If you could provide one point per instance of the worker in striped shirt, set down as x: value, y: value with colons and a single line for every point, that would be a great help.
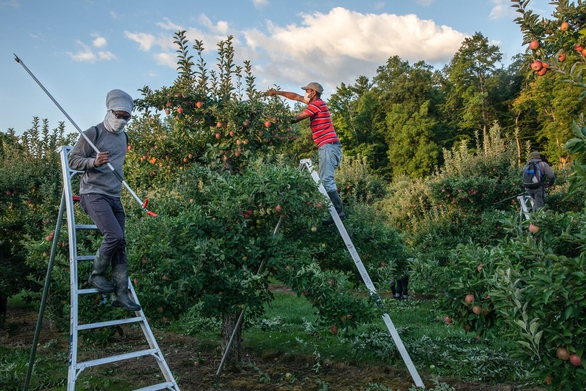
x: 324, y: 135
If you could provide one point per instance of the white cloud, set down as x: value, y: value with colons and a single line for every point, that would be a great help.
x: 502, y: 9
x: 260, y: 3
x: 379, y: 6
x: 144, y: 40
x: 106, y: 56
x: 221, y: 27
x: 425, y: 3
x: 99, y: 41
x: 355, y: 44
x: 167, y: 59
x: 114, y: 15
x: 367, y: 37
x: 85, y: 54
x: 168, y: 25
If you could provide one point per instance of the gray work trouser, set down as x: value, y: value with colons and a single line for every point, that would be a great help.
x: 108, y: 215
x: 538, y: 196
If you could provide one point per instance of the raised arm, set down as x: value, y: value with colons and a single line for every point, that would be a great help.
x: 286, y: 94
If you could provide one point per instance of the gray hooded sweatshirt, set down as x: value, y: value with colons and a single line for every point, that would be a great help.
x: 100, y: 180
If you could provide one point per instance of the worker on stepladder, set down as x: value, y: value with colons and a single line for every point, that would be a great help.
x: 324, y: 135
x: 100, y: 195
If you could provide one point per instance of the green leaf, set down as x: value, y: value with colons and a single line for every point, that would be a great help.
x: 568, y: 312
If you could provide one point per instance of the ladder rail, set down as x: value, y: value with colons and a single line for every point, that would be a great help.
x: 68, y: 174
x: 307, y: 164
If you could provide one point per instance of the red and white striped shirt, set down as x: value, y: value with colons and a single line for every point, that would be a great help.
x: 322, y: 129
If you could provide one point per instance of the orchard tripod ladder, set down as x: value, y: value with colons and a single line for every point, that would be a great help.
x: 307, y: 164
x: 526, y: 202
x: 75, y: 367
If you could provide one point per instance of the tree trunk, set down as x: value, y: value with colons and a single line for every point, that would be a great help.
x: 228, y: 324
x: 3, y: 308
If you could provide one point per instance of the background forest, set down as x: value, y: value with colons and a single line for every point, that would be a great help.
x: 431, y: 171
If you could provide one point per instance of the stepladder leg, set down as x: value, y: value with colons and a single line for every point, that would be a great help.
x: 306, y: 164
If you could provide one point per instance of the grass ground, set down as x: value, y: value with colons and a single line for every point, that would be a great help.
x: 284, y: 352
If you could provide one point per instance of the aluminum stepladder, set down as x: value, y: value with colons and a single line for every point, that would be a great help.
x: 307, y: 164
x: 526, y: 202
x: 75, y: 367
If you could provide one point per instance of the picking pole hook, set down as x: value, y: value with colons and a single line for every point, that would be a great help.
x: 144, y: 204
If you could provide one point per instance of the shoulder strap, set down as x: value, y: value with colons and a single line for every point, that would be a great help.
x: 97, y: 135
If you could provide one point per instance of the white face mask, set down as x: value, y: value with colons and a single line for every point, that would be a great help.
x: 113, y: 124
x: 306, y: 96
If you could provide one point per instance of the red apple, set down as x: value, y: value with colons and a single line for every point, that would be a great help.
x: 477, y: 310
x: 129, y: 147
x: 564, y: 26
x: 268, y: 124
x: 231, y: 133
x: 180, y: 109
x: 278, y: 208
x: 533, y: 228
x: 318, y: 205
x: 218, y: 135
x: 534, y: 45
x: 469, y: 299
x: 479, y: 267
x: 246, y: 123
x: 199, y: 105
x: 548, y: 380
x: 334, y: 329
x: 448, y: 320
x: 536, y: 65
x: 167, y: 111
x: 574, y: 359
x: 578, y: 47
x: 542, y: 72
x: 219, y: 125
x: 562, y: 57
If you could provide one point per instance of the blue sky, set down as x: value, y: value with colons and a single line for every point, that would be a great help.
x: 81, y: 49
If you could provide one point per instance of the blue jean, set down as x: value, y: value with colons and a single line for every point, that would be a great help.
x: 108, y: 215
x: 330, y: 156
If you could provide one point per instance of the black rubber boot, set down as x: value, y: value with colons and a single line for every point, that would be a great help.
x: 337, y: 202
x: 97, y: 278
x: 121, y: 298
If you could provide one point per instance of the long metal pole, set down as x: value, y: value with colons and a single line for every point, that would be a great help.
x: 144, y: 204
x: 241, y: 316
x: 31, y: 361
